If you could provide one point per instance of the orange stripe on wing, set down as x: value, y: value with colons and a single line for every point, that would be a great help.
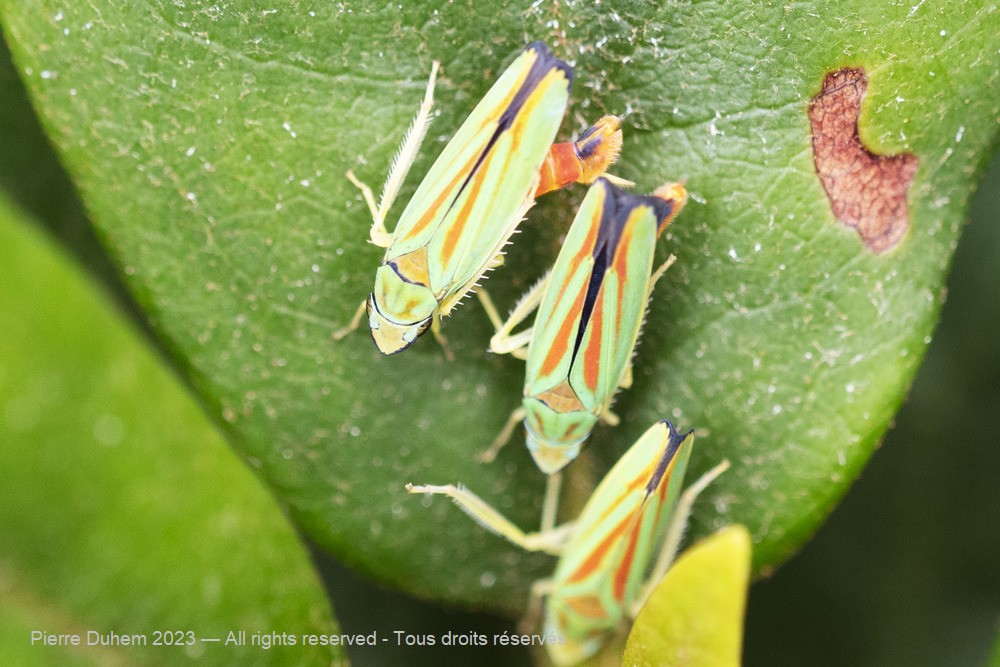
x: 622, y: 258
x: 463, y: 173
x: 479, y: 171
x: 462, y: 217
x: 517, y: 128
x: 596, y: 557
x: 592, y: 354
x: 622, y: 573
x: 446, y: 192
x: 561, y: 341
x: 641, y: 479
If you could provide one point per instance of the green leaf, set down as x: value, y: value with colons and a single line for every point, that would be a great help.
x: 209, y: 141
x: 124, y: 515
x: 695, y: 615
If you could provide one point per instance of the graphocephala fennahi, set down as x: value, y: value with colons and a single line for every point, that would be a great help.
x: 475, y: 194
x: 590, y: 310
x: 605, y: 555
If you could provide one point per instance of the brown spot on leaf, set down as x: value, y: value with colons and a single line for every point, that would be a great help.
x: 866, y: 191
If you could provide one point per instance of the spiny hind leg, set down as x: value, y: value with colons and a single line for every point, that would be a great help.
x: 408, y: 150
x: 486, y: 515
x: 377, y: 234
x: 401, y: 164
x: 354, y: 323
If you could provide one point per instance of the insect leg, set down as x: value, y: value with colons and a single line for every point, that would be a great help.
x: 401, y: 164
x: 533, y: 616
x: 483, y: 513
x: 377, y: 234
x: 609, y: 417
x: 489, y: 454
x: 659, y: 274
x: 439, y: 337
x: 354, y: 323
x: 550, y: 506
x: 504, y: 341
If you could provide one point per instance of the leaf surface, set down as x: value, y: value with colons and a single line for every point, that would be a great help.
x: 209, y: 143
x: 695, y: 615
x: 123, y: 510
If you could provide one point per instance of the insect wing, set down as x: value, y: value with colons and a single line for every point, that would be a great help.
x: 618, y: 530
x: 557, y: 322
x: 589, y: 318
x: 466, y: 207
x: 617, y: 298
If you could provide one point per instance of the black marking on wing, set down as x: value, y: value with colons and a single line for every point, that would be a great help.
x: 618, y: 206
x: 673, y: 444
x: 540, y: 68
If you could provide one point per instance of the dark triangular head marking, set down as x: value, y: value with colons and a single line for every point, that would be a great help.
x: 674, y: 442
x: 618, y: 206
x: 545, y: 62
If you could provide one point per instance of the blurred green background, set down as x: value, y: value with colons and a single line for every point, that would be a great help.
x: 906, y: 571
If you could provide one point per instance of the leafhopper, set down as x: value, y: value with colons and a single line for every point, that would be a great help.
x: 606, y: 567
x: 590, y: 310
x: 477, y: 191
